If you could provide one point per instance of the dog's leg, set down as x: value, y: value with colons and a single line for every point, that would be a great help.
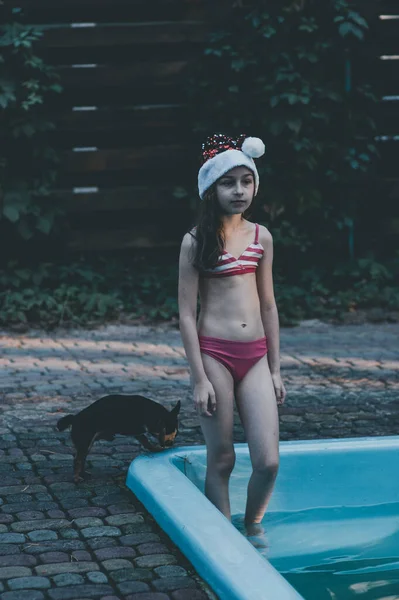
x: 78, y: 465
x: 144, y: 441
x: 83, y: 448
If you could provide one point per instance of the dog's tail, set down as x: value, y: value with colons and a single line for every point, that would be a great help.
x: 65, y: 422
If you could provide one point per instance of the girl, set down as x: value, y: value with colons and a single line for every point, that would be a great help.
x: 233, y: 349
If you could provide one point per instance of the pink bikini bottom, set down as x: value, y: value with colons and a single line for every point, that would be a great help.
x: 237, y: 357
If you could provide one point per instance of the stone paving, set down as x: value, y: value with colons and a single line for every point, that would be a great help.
x: 61, y: 541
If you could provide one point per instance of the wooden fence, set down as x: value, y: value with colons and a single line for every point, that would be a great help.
x: 381, y: 59
x: 121, y: 124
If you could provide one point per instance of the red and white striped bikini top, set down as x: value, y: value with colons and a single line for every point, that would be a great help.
x: 247, y: 262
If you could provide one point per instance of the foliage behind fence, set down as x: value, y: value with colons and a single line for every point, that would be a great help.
x: 128, y: 134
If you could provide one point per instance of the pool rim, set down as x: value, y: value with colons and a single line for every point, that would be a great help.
x: 150, y: 477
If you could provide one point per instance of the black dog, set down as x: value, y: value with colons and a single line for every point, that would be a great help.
x: 127, y: 415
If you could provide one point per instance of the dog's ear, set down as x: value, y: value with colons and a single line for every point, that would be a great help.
x: 176, y: 409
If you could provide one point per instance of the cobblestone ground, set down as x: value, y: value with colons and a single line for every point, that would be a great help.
x: 62, y: 541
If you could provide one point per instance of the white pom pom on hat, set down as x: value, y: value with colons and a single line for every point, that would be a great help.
x: 217, y: 166
x: 253, y: 147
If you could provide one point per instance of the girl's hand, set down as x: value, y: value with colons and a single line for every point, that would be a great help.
x: 279, y: 388
x: 204, y: 398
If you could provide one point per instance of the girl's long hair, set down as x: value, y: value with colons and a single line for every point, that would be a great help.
x: 209, y: 231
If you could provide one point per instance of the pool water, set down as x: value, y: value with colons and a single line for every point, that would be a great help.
x: 340, y: 553
x: 332, y: 525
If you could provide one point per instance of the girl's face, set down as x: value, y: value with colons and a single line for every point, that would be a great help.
x: 235, y: 190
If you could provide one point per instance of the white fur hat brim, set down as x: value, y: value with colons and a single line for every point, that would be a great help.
x: 220, y: 164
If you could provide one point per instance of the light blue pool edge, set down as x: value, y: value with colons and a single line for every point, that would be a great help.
x: 219, y: 553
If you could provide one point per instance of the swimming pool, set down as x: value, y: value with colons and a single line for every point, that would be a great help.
x: 332, y: 526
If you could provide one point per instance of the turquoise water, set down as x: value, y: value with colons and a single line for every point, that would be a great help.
x: 332, y: 526
x: 337, y: 554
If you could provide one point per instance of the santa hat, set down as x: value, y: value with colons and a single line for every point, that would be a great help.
x: 221, y: 153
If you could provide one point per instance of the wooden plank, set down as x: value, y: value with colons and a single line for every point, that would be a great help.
x: 387, y: 36
x: 149, y: 235
x: 124, y: 34
x: 120, y: 139
x: 146, y: 117
x: 136, y: 73
x: 388, y: 7
x: 184, y: 173
x: 84, y: 13
x: 394, y: 227
x: 384, y: 38
x: 388, y: 165
x: 387, y: 117
x: 110, y: 4
x: 154, y: 197
x: 129, y: 158
x: 391, y: 185
x: 383, y: 74
x: 106, y: 11
x: 119, y: 54
x: 120, y: 129
x: 147, y: 93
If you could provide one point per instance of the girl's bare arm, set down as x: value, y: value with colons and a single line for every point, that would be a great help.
x: 268, y: 305
x: 204, y: 394
x: 187, y: 298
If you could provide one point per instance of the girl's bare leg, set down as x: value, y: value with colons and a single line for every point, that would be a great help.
x: 218, y: 434
x: 257, y: 406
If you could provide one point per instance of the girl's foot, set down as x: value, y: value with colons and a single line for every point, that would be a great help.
x: 254, y: 532
x: 238, y: 522
x: 258, y: 541
x: 253, y: 529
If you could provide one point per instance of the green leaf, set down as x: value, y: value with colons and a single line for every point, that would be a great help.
x: 37, y: 278
x: 6, y: 99
x: 18, y: 198
x: 268, y: 31
x: 292, y: 98
x: 44, y: 224
x: 28, y: 130
x: 11, y: 213
x: 276, y: 127
x: 358, y: 33
x: 333, y: 95
x: 345, y: 28
x: 180, y: 192
x: 295, y: 125
x: 23, y: 274
x: 358, y: 19
x: 237, y: 64
x: 274, y: 100
x: 24, y: 230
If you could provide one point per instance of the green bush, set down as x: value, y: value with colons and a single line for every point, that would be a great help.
x: 84, y: 294
x: 287, y: 72
x: 28, y: 163
x: 51, y: 295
